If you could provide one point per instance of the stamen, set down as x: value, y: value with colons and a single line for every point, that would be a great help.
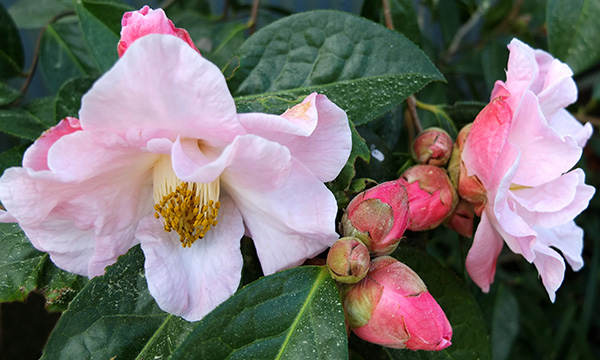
x: 515, y: 187
x: 190, y: 209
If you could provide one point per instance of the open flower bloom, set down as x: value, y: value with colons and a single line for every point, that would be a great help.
x: 521, y: 148
x: 160, y: 157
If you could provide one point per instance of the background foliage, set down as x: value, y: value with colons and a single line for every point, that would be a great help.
x: 449, y: 54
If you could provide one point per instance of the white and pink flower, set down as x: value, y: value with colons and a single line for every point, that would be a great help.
x: 521, y: 149
x: 160, y: 157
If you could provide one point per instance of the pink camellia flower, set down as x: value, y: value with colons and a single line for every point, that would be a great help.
x: 431, y: 196
x: 160, y: 157
x: 378, y: 217
x: 392, y: 307
x: 521, y: 148
x: 145, y: 21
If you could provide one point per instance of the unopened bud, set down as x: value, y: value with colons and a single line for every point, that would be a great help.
x: 392, y: 307
x: 454, y: 164
x: 461, y: 219
x: 432, y: 146
x: 348, y: 260
x: 431, y: 196
x: 378, y: 217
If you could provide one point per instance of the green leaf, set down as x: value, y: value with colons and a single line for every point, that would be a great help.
x: 505, y: 323
x: 112, y: 316
x: 12, y: 157
x: 21, y: 123
x: 63, y: 55
x: 404, y: 18
x: 43, y: 110
x: 101, y: 22
x: 573, y: 32
x: 294, y: 314
x: 68, y: 99
x: 470, y: 338
x: 12, y: 57
x: 36, y: 14
x: 361, y: 66
x: 8, y: 94
x: 24, y: 269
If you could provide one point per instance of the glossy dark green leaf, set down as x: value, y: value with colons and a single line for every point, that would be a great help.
x: 12, y: 157
x: 101, y: 22
x: 11, y: 49
x: 363, y: 67
x: 21, y: 123
x: 573, y: 32
x: 294, y: 314
x: 404, y: 19
x: 68, y: 99
x: 63, y: 55
x: 24, y: 269
x: 43, y: 110
x: 470, y: 339
x: 113, y: 316
x: 8, y: 94
x: 29, y: 14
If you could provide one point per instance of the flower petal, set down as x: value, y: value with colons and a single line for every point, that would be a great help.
x: 264, y: 167
x: 551, y: 268
x: 544, y: 154
x: 481, y: 259
x: 566, y: 125
x: 568, y: 238
x: 316, y: 131
x: 36, y: 156
x: 191, y: 282
x: 161, y: 85
x: 288, y: 224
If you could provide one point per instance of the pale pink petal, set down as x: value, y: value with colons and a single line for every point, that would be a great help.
x: 307, y: 129
x: 263, y: 168
x: 162, y: 86
x: 571, y: 193
x: 568, y: 239
x: 566, y: 125
x: 544, y: 154
x: 36, y: 156
x: 559, y: 89
x: 191, y: 282
x: 522, y: 73
x: 551, y: 268
x: 486, y: 141
x: 481, y: 259
x: 289, y: 224
x: 5, y: 217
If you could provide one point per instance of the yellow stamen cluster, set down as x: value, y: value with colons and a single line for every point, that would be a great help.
x: 190, y: 209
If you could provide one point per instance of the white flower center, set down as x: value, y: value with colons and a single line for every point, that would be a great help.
x: 191, y: 209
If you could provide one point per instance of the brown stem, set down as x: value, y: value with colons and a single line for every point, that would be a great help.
x: 387, y: 14
x: 253, y: 16
x: 411, y: 101
x: 36, y: 54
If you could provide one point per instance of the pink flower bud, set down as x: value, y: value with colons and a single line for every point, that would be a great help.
x: 454, y: 164
x: 433, y: 146
x: 461, y: 219
x: 378, y: 217
x: 392, y: 307
x: 348, y: 260
x: 136, y: 24
x: 431, y: 196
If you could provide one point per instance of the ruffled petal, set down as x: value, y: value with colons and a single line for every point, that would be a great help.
x: 556, y: 202
x: 163, y: 86
x: 481, y: 259
x: 559, y: 89
x: 566, y: 125
x: 544, y: 154
x: 262, y: 168
x: 568, y: 239
x: 551, y: 267
x: 288, y: 226
x: 5, y: 217
x: 316, y: 131
x: 522, y: 72
x: 191, y: 282
x: 36, y: 156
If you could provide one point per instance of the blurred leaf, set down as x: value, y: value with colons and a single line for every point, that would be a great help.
x: 112, y: 316
x: 24, y: 269
x: 8, y: 94
x: 573, y: 32
x: 63, y: 55
x: 469, y: 340
x: 12, y: 157
x: 293, y: 314
x: 21, y: 123
x: 494, y: 58
x: 36, y: 14
x: 505, y: 323
x: 100, y: 23
x: 12, y: 57
x: 361, y: 66
x: 68, y: 99
x: 43, y: 110
x: 404, y: 18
